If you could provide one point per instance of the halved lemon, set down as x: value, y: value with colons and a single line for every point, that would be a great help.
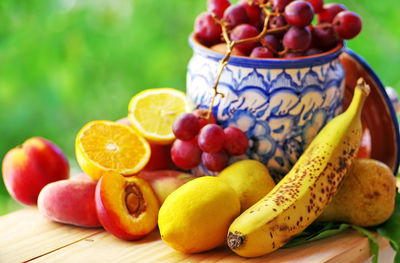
x: 106, y: 146
x: 152, y: 113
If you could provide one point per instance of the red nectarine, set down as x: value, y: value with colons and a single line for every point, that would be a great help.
x: 28, y: 168
x: 160, y: 158
x: 165, y: 182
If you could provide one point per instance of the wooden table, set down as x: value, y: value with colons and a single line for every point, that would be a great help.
x: 28, y: 237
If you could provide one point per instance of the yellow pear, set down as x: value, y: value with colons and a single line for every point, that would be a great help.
x: 250, y: 179
x: 365, y: 197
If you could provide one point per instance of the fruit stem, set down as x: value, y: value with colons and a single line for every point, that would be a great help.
x: 361, y: 84
x: 234, y: 241
x: 265, y: 31
x: 361, y: 93
x: 231, y: 44
x: 323, y: 26
x: 283, y: 52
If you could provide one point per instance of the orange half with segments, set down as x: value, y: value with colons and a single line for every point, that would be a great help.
x: 106, y: 146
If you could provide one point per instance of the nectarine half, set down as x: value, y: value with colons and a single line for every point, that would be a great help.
x: 126, y: 206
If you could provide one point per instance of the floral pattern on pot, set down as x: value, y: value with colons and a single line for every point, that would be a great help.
x: 280, y: 109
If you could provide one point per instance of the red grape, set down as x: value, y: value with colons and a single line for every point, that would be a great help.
x: 244, y: 31
x: 218, y: 7
x: 207, y: 30
x: 347, y: 24
x: 186, y: 154
x: 277, y: 22
x: 201, y: 114
x: 296, y: 54
x: 236, y: 141
x: 324, y: 37
x: 186, y: 127
x: 253, y: 11
x: 329, y: 12
x: 318, y: 5
x: 215, y: 162
x: 313, y: 51
x: 261, y: 52
x: 271, y: 41
x: 299, y: 13
x: 211, y: 138
x: 235, y: 15
x: 279, y: 5
x: 297, y: 38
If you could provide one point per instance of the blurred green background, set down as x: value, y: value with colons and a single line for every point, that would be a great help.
x: 64, y: 63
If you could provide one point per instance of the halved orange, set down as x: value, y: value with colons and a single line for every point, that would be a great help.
x: 153, y: 111
x: 106, y: 146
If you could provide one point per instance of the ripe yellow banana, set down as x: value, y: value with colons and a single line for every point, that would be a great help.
x: 301, y: 196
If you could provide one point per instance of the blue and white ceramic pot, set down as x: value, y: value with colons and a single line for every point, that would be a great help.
x: 280, y: 104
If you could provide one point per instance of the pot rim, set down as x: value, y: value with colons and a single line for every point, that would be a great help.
x: 272, y: 63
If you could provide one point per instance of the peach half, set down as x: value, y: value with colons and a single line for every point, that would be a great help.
x: 126, y: 206
x: 28, y: 168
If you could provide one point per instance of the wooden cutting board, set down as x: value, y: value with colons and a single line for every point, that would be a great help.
x: 28, y: 237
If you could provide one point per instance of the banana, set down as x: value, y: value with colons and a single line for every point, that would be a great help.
x: 301, y: 196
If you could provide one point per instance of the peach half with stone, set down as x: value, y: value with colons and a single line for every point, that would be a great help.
x: 127, y: 207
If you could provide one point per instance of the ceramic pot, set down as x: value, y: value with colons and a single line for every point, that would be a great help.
x: 281, y: 104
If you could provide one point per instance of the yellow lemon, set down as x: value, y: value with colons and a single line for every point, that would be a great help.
x: 153, y: 111
x: 196, y: 216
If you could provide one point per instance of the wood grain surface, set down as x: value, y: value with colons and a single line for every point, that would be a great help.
x: 28, y: 237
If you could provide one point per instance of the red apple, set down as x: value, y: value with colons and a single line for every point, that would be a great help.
x: 28, y: 168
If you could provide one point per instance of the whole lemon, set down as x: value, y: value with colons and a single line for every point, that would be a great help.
x: 196, y: 216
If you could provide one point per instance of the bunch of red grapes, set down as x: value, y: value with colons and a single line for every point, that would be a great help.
x: 291, y: 32
x: 200, y: 140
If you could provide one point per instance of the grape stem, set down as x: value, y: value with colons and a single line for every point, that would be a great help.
x: 283, y: 52
x: 231, y: 44
x: 323, y: 26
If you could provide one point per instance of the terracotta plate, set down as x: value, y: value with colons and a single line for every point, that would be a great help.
x: 379, y: 113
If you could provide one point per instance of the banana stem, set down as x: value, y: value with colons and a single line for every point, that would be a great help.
x: 363, y: 86
x: 234, y: 241
x: 361, y: 93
